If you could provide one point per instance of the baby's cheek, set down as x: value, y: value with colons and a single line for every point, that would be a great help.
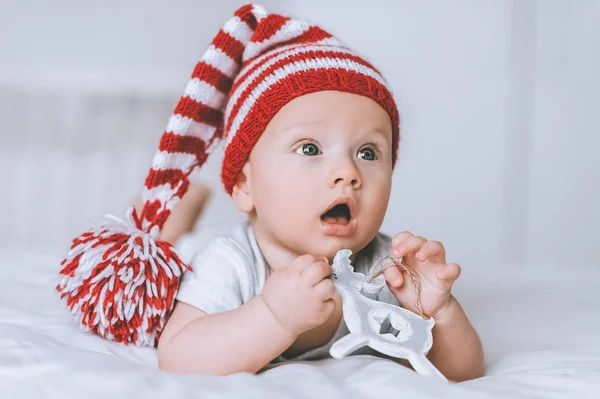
x: 378, y: 196
x: 287, y: 201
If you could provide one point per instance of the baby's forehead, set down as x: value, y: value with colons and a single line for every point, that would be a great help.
x: 364, y: 129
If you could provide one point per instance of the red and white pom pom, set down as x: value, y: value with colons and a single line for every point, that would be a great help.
x: 120, y: 282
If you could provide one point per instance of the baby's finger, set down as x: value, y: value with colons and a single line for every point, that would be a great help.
x: 316, y: 272
x: 400, y: 237
x: 432, y: 250
x: 408, y: 246
x: 328, y: 308
x: 394, y: 276
x: 450, y: 272
x: 302, y: 262
x: 325, y: 289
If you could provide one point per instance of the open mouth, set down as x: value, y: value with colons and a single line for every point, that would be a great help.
x: 340, y: 220
x: 339, y: 214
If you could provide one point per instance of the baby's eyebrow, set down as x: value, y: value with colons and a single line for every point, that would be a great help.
x: 296, y: 127
x: 382, y: 131
x: 374, y: 133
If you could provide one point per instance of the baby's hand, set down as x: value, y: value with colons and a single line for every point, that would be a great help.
x: 428, y: 260
x: 300, y: 296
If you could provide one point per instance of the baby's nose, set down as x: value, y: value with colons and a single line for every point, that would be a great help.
x: 346, y: 174
x: 339, y: 180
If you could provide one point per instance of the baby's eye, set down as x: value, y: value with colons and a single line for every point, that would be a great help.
x: 309, y: 149
x: 368, y: 154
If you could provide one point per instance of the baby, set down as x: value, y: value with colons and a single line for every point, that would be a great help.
x: 312, y: 134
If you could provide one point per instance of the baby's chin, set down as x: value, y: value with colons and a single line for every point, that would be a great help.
x: 330, y: 245
x: 309, y: 240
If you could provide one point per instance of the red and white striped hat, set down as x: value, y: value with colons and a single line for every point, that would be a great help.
x: 118, y: 279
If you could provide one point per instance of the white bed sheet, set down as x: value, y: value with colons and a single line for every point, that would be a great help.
x: 539, y: 327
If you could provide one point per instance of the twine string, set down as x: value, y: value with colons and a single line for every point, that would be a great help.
x: 411, y: 273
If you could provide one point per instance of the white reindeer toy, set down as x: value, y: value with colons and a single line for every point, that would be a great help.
x: 386, y: 328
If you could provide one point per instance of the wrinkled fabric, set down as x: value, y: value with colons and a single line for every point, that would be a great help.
x: 539, y: 329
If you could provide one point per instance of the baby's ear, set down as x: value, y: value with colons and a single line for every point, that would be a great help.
x: 242, y: 193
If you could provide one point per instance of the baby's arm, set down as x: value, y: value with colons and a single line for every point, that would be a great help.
x: 457, y: 351
x: 240, y: 340
x: 295, y: 299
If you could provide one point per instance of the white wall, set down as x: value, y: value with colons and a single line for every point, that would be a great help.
x: 564, y: 220
x: 485, y: 91
x: 148, y: 46
x: 447, y: 64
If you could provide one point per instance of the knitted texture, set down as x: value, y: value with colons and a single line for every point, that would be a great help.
x: 119, y: 280
x: 285, y: 59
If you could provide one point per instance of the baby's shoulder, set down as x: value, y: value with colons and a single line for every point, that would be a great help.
x: 234, y: 256
x: 230, y: 249
x: 223, y: 274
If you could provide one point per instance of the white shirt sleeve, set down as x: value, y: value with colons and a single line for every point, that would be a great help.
x: 214, y: 285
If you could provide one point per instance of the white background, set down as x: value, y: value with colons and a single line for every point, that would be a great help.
x: 499, y: 102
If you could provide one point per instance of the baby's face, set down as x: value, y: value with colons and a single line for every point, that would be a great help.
x: 318, y: 150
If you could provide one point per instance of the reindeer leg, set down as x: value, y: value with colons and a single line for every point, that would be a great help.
x: 423, y: 366
x: 347, y: 344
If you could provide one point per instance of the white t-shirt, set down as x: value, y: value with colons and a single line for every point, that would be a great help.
x: 231, y: 270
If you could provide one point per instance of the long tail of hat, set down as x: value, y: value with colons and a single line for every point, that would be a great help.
x: 197, y: 121
x: 118, y: 280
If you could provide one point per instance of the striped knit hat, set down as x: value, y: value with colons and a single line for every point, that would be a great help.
x: 118, y: 279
